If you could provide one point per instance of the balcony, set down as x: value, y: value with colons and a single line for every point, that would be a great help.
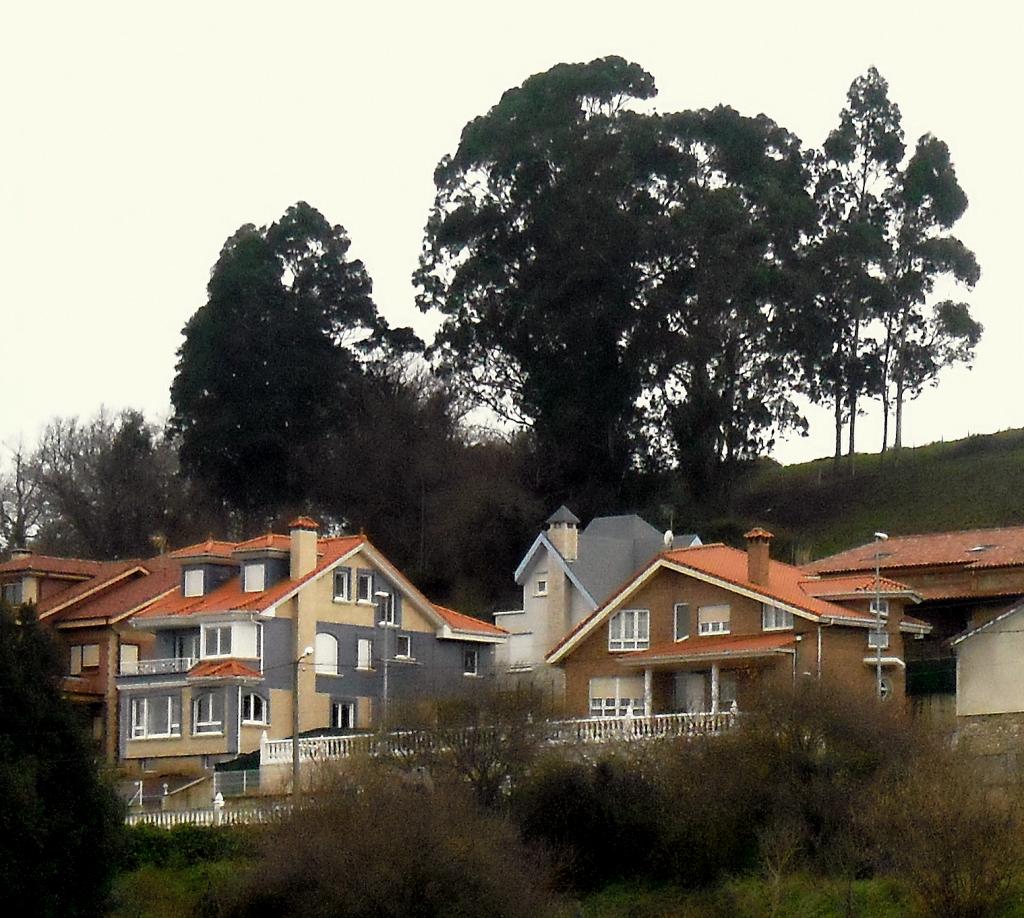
x: 166, y: 667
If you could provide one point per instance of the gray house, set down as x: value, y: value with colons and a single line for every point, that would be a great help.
x: 565, y: 575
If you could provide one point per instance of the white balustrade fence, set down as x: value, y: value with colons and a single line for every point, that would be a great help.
x: 165, y: 667
x: 217, y: 816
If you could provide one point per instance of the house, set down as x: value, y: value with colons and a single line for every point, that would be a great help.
x: 964, y: 579
x: 565, y: 575
x: 990, y: 674
x: 249, y: 623
x: 703, y: 628
x: 88, y: 606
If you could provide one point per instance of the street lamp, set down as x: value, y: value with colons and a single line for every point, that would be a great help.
x: 387, y: 625
x: 880, y: 537
x: 308, y: 652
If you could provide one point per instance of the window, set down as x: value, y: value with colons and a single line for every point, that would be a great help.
x: 885, y: 689
x: 254, y: 709
x: 217, y: 641
x: 343, y: 584
x: 186, y: 645
x: 775, y: 619
x: 12, y: 593
x: 387, y: 608
x: 541, y: 586
x: 630, y: 629
x: 254, y: 577
x: 681, y: 620
x: 364, y: 653
x: 471, y: 662
x: 129, y: 659
x: 365, y: 586
x: 713, y: 619
x: 403, y: 650
x: 155, y: 716
x: 194, y: 582
x: 208, y: 713
x: 326, y: 654
x: 617, y: 696
x: 880, y: 607
x: 878, y: 640
x: 343, y: 715
x: 84, y: 656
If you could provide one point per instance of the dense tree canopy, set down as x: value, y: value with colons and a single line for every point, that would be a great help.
x: 275, y: 360
x: 60, y: 820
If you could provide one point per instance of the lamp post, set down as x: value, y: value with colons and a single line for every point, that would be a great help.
x: 295, y: 721
x: 382, y: 598
x: 880, y: 537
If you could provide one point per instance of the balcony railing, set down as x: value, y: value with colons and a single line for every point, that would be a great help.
x: 157, y: 667
x: 584, y: 730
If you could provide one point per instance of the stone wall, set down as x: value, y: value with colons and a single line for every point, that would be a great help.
x: 995, y: 743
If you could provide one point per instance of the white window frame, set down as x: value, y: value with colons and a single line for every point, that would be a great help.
x: 882, y: 606
x: 629, y: 629
x: 364, y: 577
x: 249, y: 711
x: 193, y: 639
x: 540, y: 586
x: 325, y: 654
x: 715, y: 626
x: 364, y: 654
x: 771, y: 616
x: 399, y: 639
x: 605, y: 706
x: 208, y: 726
x: 470, y: 668
x: 337, y: 707
x: 883, y: 636
x: 676, y: 608
x: 218, y: 651
x: 250, y: 582
x: 343, y: 577
x: 389, y: 606
x: 194, y: 582
x: 140, y: 725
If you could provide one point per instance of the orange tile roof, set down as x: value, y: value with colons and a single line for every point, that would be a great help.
x: 721, y: 646
x: 1002, y: 547
x: 856, y: 583
x: 48, y: 564
x: 106, y: 573
x: 222, y: 669
x: 785, y: 584
x: 123, y: 597
x: 303, y: 522
x: 461, y: 622
x: 217, y: 548
x: 271, y: 540
x: 230, y: 597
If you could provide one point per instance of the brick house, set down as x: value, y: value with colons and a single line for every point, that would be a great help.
x: 703, y: 628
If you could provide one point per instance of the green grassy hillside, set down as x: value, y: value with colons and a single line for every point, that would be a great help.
x: 963, y: 484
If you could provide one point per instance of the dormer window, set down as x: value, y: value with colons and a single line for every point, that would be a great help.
x: 194, y: 581
x: 254, y: 577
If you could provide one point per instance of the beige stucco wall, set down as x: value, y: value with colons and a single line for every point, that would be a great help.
x: 990, y: 669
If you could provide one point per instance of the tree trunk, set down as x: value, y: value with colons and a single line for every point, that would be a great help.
x: 839, y: 427
x: 898, y: 436
x: 853, y: 386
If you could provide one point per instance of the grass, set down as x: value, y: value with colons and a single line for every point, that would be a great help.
x: 977, y: 482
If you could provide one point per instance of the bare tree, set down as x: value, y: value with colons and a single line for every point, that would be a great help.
x: 21, y: 500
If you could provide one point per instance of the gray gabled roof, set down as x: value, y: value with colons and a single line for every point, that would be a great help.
x: 564, y: 515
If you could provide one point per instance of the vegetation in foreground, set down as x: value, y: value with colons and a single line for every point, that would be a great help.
x: 819, y: 804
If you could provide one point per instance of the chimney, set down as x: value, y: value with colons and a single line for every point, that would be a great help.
x: 18, y: 553
x: 758, y: 541
x: 303, y: 533
x: 563, y: 532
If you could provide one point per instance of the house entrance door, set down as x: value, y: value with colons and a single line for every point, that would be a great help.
x: 689, y: 691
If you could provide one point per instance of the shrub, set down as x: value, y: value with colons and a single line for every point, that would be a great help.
x: 369, y: 843
x: 183, y: 846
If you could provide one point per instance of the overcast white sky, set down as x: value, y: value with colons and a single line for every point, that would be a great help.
x: 139, y: 136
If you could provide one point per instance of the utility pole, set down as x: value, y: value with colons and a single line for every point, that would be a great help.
x: 880, y: 537
x: 387, y: 624
x: 296, y: 776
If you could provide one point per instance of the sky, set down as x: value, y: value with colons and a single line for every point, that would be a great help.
x: 138, y: 136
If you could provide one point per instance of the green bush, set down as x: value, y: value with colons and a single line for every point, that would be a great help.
x: 184, y: 845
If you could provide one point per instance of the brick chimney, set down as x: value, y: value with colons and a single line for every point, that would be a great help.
x: 303, y: 532
x: 18, y: 553
x: 563, y: 532
x: 758, y: 541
